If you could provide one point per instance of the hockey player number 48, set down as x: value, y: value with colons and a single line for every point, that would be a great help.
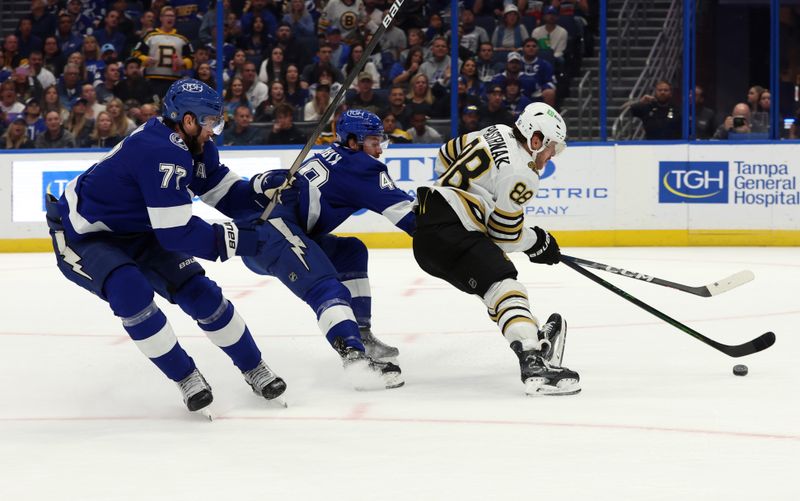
x: 315, y: 173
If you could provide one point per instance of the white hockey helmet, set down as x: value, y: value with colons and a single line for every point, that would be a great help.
x: 543, y: 118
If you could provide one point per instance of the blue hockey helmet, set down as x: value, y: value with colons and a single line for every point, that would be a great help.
x: 195, y: 97
x: 359, y: 123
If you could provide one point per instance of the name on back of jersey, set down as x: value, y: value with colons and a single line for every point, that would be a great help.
x: 497, y: 145
x: 331, y: 156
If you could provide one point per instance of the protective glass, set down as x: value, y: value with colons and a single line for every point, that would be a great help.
x: 213, y: 123
x: 382, y: 140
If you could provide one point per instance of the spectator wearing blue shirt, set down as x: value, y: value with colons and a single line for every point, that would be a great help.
x: 110, y: 34
x: 299, y: 19
x: 34, y: 123
x: 68, y: 41
x: 81, y: 22
x: 540, y: 71
x: 28, y: 42
x: 514, y: 71
x: 514, y: 100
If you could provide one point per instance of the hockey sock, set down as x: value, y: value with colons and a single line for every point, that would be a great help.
x: 361, y: 297
x: 330, y: 300
x: 202, y: 299
x: 131, y: 299
x: 350, y: 257
x: 507, y: 303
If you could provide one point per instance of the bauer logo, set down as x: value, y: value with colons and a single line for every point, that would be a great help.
x: 693, y: 182
x: 54, y: 182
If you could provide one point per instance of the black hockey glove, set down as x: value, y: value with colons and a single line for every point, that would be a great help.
x: 235, y: 241
x: 268, y: 183
x: 545, y: 250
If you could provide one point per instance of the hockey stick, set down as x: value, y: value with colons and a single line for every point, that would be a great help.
x: 712, y: 289
x: 323, y: 121
x: 760, y: 343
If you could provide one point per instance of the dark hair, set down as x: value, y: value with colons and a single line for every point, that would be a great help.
x: 411, y: 52
x: 350, y: 58
x: 284, y: 109
x: 519, y: 137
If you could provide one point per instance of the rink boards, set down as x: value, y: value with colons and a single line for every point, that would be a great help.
x: 667, y: 194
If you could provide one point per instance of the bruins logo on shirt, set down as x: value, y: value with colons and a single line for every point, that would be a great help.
x: 348, y: 21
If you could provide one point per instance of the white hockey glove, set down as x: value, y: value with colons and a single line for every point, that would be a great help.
x: 235, y: 241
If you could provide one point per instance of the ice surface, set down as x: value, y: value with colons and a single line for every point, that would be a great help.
x: 84, y: 416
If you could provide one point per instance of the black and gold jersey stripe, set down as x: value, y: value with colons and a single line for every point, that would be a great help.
x: 449, y: 151
x: 503, y: 228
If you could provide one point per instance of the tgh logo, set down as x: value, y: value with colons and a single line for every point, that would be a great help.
x: 693, y: 182
x: 192, y: 87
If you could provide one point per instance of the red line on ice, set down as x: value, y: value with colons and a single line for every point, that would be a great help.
x: 448, y: 422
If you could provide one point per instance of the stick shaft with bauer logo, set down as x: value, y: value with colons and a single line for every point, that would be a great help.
x: 391, y: 13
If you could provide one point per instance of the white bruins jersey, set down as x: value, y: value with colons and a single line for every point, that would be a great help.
x: 162, y: 46
x: 487, y: 178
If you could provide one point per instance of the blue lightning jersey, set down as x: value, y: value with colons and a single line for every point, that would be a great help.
x: 339, y: 181
x: 146, y: 184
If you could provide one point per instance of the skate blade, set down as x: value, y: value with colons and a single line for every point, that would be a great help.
x: 365, y: 379
x: 206, y: 412
x: 277, y: 402
x: 536, y: 387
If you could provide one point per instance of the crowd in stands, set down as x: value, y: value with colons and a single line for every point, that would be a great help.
x: 661, y: 119
x: 85, y: 73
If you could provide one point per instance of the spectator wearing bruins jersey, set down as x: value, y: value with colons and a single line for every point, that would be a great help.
x: 345, y: 15
x: 474, y: 214
x: 164, y: 53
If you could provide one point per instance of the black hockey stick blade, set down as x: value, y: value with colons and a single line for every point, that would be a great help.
x: 712, y: 289
x: 391, y: 13
x: 760, y: 343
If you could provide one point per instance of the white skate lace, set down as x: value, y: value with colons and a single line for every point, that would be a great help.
x: 192, y: 384
x: 259, y: 377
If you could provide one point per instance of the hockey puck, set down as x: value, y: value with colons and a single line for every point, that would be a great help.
x: 740, y: 370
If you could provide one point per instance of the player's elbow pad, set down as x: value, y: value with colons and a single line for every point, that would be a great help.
x: 235, y: 241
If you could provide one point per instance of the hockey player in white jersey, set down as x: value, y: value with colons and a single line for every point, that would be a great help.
x: 474, y: 214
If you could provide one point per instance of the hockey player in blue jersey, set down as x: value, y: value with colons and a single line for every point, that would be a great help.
x: 329, y: 272
x: 124, y: 229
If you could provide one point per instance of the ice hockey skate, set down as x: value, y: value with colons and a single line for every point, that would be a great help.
x: 377, y: 349
x: 554, y: 332
x: 364, y: 372
x: 196, y: 391
x: 539, y: 371
x: 265, y: 383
